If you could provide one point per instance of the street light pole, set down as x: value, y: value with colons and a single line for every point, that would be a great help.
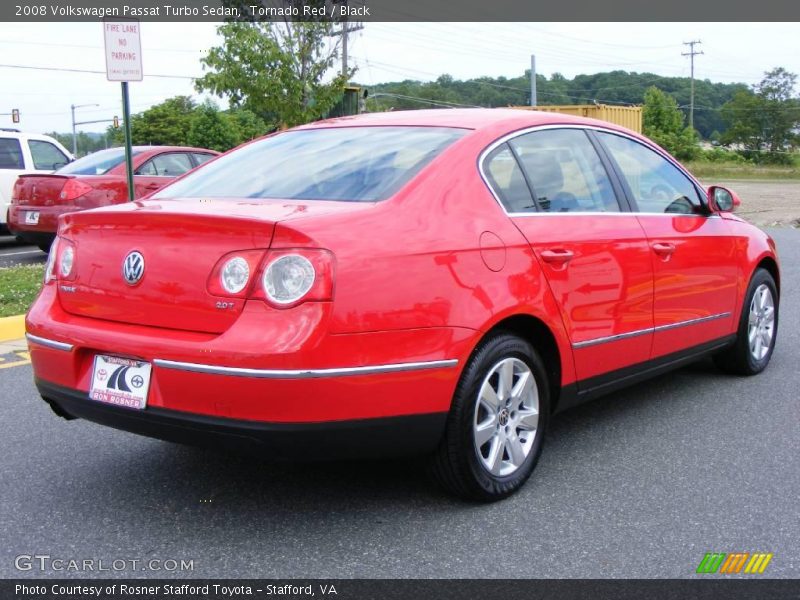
x: 74, y: 135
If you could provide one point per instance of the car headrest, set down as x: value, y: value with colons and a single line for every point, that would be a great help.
x: 545, y: 173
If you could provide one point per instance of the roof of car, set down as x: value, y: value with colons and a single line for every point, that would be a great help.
x: 469, y: 118
x: 172, y: 149
x: 14, y: 133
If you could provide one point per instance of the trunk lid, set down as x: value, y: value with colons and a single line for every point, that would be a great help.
x: 181, y: 241
x: 39, y: 190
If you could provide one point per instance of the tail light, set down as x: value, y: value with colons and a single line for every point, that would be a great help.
x: 16, y: 191
x: 283, y: 278
x: 244, y: 262
x: 61, y: 261
x: 74, y: 188
x: 50, y: 268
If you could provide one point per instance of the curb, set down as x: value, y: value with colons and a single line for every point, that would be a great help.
x: 12, y: 328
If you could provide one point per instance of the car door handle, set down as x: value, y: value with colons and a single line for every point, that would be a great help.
x: 664, y: 249
x: 152, y: 186
x: 557, y: 256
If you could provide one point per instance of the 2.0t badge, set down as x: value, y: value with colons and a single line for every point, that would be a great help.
x: 133, y: 268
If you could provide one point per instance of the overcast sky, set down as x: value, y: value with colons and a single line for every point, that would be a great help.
x: 382, y: 52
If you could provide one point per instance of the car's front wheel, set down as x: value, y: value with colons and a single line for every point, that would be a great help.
x: 758, y: 328
x: 497, y: 421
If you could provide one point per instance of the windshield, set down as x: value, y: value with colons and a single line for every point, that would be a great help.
x: 348, y: 163
x: 98, y: 163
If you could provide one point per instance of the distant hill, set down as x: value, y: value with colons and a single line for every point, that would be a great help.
x: 614, y: 87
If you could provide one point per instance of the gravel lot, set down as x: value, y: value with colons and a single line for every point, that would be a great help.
x: 767, y: 203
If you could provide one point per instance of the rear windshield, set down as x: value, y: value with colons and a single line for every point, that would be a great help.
x: 98, y: 163
x: 349, y: 163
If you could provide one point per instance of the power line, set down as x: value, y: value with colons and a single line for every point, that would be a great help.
x: 67, y: 70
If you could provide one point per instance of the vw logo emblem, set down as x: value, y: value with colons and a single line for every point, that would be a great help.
x: 133, y: 268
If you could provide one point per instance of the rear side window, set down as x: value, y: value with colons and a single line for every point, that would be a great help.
x: 97, y: 163
x: 657, y: 185
x: 167, y: 165
x: 201, y: 157
x: 565, y: 171
x: 361, y: 164
x: 10, y: 154
x: 46, y: 157
x: 506, y: 179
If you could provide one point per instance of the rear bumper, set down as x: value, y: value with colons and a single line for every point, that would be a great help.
x: 48, y: 218
x: 263, y: 368
x: 362, y: 438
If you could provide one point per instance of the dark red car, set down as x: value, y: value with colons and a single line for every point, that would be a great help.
x: 95, y: 180
x: 435, y: 282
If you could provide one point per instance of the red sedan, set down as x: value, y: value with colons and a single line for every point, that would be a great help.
x: 435, y: 282
x: 95, y: 180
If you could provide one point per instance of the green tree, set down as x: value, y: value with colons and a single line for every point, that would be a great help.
x: 165, y: 124
x: 764, y: 121
x: 247, y: 123
x: 662, y: 121
x: 212, y: 129
x: 276, y: 70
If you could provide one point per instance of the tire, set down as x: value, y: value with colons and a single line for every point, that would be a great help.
x: 744, y: 358
x: 511, y: 435
x: 45, y: 247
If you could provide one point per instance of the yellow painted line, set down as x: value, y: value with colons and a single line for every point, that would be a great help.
x: 12, y: 328
x: 18, y: 363
x: 25, y: 356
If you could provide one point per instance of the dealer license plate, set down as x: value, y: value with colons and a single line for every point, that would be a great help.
x: 120, y: 381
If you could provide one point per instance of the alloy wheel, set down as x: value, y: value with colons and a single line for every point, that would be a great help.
x: 761, y: 325
x: 506, y: 417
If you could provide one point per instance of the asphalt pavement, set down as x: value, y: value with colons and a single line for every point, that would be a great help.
x: 13, y: 253
x: 639, y: 484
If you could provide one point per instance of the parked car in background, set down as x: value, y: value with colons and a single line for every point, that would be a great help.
x: 22, y: 153
x: 435, y: 282
x: 98, y: 179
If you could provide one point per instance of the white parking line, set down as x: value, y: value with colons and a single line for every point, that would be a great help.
x: 18, y: 253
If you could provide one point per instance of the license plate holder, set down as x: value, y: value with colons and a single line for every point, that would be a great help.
x: 120, y: 381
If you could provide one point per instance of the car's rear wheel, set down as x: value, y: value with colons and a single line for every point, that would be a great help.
x: 758, y: 328
x: 497, y: 421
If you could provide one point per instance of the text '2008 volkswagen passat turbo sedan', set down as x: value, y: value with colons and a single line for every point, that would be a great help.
x: 431, y: 282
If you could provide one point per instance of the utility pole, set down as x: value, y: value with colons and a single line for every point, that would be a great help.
x: 691, y: 54
x: 346, y: 29
x: 533, y: 80
x: 74, y: 134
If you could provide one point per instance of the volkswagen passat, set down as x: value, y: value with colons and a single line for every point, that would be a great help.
x: 435, y: 282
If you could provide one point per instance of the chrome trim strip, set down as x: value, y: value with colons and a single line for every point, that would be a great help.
x: 49, y: 343
x: 510, y: 136
x: 608, y: 214
x: 692, y: 321
x: 638, y: 332
x: 304, y: 373
x: 612, y: 338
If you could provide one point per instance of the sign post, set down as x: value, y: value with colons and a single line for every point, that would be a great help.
x: 124, y: 64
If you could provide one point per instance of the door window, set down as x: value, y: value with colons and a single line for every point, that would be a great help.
x: 46, y: 157
x: 10, y: 154
x: 657, y: 185
x: 565, y: 171
x: 166, y: 165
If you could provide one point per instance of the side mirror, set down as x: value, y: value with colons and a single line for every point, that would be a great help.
x: 722, y: 199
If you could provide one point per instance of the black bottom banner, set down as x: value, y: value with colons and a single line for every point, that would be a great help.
x: 388, y: 589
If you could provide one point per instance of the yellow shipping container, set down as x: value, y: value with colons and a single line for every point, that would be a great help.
x: 626, y: 116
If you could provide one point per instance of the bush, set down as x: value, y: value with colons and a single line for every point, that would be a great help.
x: 719, y: 155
